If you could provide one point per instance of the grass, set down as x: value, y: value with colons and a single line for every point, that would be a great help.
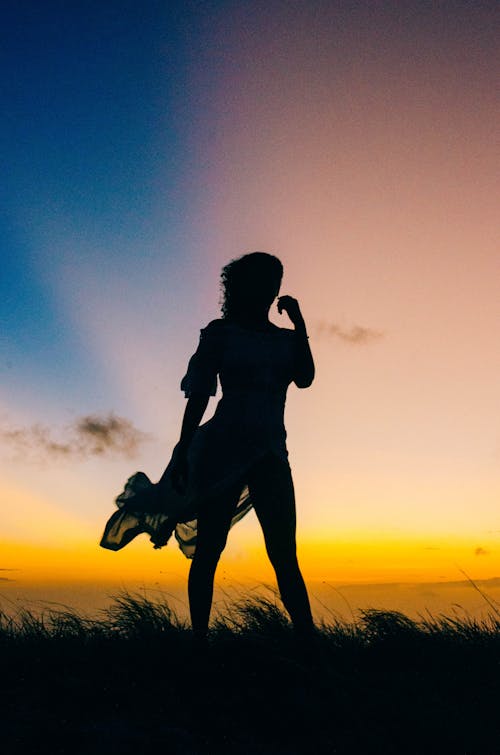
x: 131, y: 681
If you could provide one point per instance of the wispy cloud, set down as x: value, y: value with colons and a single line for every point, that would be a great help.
x: 90, y: 435
x: 356, y: 334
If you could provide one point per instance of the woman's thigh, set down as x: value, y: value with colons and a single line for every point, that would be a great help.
x: 272, y: 493
x: 214, y: 519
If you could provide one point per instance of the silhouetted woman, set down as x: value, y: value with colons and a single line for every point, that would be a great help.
x: 238, y: 458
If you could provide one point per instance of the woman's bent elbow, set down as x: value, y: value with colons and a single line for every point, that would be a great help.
x: 304, y: 383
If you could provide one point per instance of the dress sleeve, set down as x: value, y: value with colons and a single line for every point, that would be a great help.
x: 203, y: 366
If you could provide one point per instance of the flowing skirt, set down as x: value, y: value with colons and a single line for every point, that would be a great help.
x: 143, y: 507
x: 216, y: 460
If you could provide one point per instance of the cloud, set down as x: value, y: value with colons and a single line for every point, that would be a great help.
x: 90, y: 435
x: 481, y: 552
x: 357, y: 334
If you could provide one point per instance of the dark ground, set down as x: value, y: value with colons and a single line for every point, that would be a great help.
x: 133, y: 683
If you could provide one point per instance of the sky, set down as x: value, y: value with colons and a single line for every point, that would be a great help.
x: 144, y: 145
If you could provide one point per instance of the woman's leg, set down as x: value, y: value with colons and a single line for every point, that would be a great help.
x: 272, y: 493
x: 214, y: 520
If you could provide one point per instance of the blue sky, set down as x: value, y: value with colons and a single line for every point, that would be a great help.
x: 96, y: 165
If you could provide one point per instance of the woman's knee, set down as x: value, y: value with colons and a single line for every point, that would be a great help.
x: 209, y: 553
x: 283, y: 559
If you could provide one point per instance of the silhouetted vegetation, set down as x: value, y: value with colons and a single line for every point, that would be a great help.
x: 132, y: 681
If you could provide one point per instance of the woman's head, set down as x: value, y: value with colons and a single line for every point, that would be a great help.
x: 250, y: 283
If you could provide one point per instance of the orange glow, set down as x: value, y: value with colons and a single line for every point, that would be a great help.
x: 359, y: 558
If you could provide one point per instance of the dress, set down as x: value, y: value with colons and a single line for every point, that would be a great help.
x: 255, y: 369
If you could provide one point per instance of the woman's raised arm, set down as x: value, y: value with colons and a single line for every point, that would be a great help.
x: 304, y: 369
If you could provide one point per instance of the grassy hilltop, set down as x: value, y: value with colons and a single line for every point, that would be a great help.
x: 132, y: 682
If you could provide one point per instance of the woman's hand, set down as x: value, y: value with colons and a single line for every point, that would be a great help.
x: 291, y: 307
x: 179, y: 472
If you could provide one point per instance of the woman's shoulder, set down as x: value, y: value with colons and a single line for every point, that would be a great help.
x: 213, y: 335
x: 215, y: 324
x: 286, y: 331
x: 221, y: 325
x: 213, y: 329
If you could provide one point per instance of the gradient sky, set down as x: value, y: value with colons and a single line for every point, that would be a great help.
x: 144, y: 145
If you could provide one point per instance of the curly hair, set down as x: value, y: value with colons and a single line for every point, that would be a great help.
x: 257, y: 271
